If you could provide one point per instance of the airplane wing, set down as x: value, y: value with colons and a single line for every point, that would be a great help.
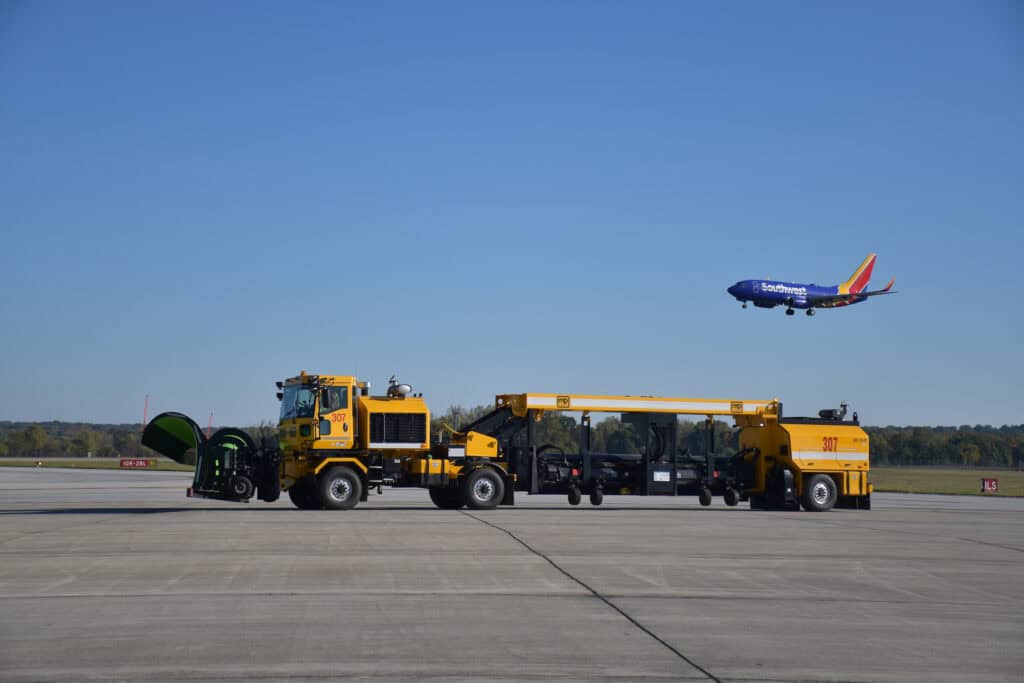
x: 833, y: 299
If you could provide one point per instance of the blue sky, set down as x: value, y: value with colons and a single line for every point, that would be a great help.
x: 198, y: 199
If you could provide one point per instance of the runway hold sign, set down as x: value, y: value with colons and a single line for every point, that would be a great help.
x: 990, y: 486
x: 137, y: 462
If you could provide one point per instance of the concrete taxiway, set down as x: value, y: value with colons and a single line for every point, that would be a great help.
x: 116, y: 575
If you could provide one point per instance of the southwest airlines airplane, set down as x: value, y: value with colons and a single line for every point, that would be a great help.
x: 771, y: 293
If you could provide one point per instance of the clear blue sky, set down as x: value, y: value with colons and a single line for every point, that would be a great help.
x: 197, y: 199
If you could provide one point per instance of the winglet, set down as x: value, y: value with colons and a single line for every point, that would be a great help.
x: 889, y: 286
x: 859, y: 280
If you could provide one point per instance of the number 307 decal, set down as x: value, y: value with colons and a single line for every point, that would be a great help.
x: 830, y: 443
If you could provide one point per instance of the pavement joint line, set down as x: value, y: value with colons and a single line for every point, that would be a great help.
x: 597, y: 595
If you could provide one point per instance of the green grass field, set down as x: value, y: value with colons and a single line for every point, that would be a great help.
x: 92, y: 464
x: 944, y: 480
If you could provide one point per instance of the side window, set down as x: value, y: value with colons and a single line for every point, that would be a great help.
x: 333, y: 398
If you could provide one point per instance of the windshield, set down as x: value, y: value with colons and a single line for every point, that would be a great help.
x: 297, y: 401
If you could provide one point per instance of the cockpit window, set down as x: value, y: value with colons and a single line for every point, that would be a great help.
x: 298, y: 401
x: 333, y: 398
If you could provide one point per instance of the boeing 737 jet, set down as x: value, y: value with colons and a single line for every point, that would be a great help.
x: 771, y: 293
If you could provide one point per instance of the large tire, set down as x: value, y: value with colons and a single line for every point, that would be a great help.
x: 303, y: 495
x: 820, y: 493
x: 340, y: 488
x: 241, y: 487
x: 446, y: 499
x: 596, y: 496
x: 483, y: 489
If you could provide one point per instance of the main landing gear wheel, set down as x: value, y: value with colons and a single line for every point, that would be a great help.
x: 340, y: 488
x: 574, y: 495
x: 820, y: 493
x: 483, y: 489
x: 789, y: 311
x: 446, y: 499
x: 810, y: 311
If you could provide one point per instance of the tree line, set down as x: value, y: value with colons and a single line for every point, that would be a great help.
x: 964, y: 446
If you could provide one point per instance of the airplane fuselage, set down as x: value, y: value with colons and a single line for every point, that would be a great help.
x: 771, y: 293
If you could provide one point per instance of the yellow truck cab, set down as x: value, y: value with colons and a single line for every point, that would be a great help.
x: 337, y: 441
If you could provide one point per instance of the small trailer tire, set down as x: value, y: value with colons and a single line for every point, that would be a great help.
x: 596, y: 496
x: 574, y: 496
x: 731, y: 497
x: 704, y: 496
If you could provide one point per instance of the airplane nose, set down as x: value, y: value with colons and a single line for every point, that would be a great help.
x: 734, y: 290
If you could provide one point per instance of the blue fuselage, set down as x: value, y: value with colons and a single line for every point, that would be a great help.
x: 770, y: 293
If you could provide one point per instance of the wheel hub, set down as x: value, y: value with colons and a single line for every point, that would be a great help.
x: 340, y: 490
x: 483, y: 490
x: 820, y: 493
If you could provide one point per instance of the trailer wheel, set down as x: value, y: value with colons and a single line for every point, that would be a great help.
x: 303, y: 495
x: 241, y: 486
x: 340, y: 488
x: 483, y: 489
x: 446, y: 499
x: 596, y: 496
x: 731, y: 497
x: 574, y: 496
x: 704, y: 496
x: 819, y: 493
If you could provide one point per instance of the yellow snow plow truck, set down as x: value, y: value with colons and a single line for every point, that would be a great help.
x: 336, y: 444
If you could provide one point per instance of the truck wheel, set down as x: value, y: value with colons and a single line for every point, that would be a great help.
x: 757, y: 502
x: 241, y: 486
x: 340, y: 488
x: 596, y: 497
x: 446, y: 499
x: 483, y: 489
x: 704, y: 496
x: 731, y: 497
x: 574, y: 496
x: 303, y: 495
x: 819, y: 493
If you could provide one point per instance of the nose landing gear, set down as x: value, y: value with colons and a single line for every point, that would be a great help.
x: 789, y: 311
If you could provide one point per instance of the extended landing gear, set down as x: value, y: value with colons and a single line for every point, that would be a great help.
x: 810, y: 312
x: 744, y: 305
x: 789, y: 311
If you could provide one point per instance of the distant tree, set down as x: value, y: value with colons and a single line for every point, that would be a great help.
x: 86, y: 443
x: 35, y: 440
x: 263, y: 433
